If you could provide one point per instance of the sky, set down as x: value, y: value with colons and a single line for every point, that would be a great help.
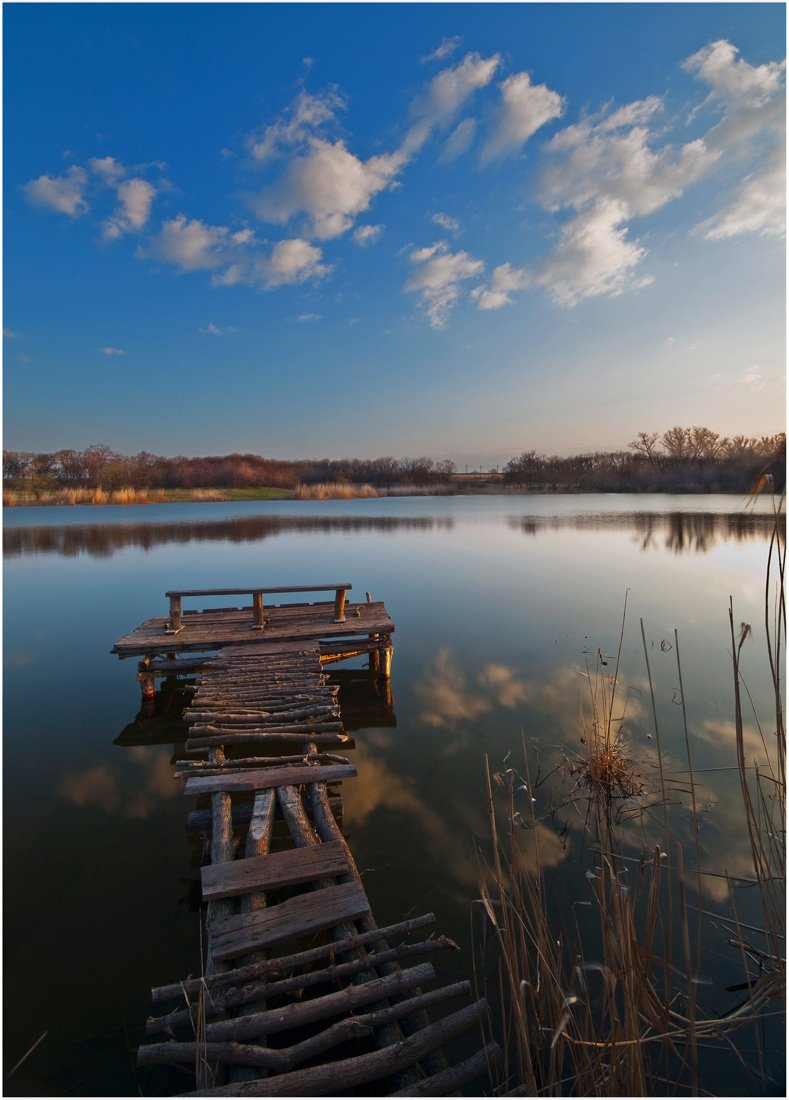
x: 456, y: 230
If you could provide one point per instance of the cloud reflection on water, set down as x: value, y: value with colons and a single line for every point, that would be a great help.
x: 118, y: 789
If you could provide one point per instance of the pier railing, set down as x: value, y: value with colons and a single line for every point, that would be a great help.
x: 258, y: 622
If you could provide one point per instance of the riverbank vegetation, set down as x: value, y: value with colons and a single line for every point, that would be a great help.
x: 681, y: 460
x: 661, y: 966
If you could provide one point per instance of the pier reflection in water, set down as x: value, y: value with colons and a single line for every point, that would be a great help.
x: 493, y: 633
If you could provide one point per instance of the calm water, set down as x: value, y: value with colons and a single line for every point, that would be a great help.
x: 498, y: 602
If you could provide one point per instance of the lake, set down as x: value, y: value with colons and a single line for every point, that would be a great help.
x: 500, y: 604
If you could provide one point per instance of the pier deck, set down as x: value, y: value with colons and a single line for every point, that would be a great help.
x: 302, y: 994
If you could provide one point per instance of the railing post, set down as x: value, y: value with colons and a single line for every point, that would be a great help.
x: 258, y: 622
x: 175, y: 615
x: 339, y: 605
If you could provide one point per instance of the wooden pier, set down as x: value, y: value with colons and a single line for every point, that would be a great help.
x: 302, y: 994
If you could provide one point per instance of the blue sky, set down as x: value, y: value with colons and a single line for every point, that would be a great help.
x: 458, y: 230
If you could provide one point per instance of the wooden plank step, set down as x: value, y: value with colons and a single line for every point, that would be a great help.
x: 259, y: 779
x: 291, y: 868
x: 312, y: 912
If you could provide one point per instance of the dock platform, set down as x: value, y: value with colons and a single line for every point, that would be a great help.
x: 302, y: 994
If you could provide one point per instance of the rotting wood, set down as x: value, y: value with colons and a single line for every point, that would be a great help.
x: 200, y: 820
x: 185, y: 768
x: 277, y: 1020
x: 260, y: 778
x: 268, y: 872
x: 284, y: 1059
x: 286, y: 963
x: 233, y: 936
x: 336, y: 1077
x: 230, y: 997
x: 450, y: 1080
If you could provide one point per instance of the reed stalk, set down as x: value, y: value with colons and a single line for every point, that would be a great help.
x: 611, y: 1005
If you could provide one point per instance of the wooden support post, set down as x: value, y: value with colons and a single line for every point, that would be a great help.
x: 175, y: 615
x: 375, y: 655
x: 257, y: 611
x: 339, y: 606
x: 385, y: 653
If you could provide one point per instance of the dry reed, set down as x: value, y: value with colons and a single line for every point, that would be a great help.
x: 615, y: 1008
x: 334, y: 490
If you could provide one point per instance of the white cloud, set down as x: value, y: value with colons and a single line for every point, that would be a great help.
x: 452, y: 225
x: 732, y: 78
x: 111, y: 351
x: 446, y: 47
x: 291, y: 261
x: 459, y: 141
x: 523, y: 109
x: 65, y: 194
x: 753, y: 378
x: 759, y: 205
x: 191, y: 244
x: 217, y: 330
x: 107, y: 167
x: 504, y: 280
x: 593, y: 256
x: 303, y: 121
x: 438, y: 277
x: 135, y: 197
x: 367, y: 234
x: 308, y: 318
x: 330, y: 185
x: 9, y: 334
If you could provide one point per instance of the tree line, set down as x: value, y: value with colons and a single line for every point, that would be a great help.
x: 694, y: 459
x: 685, y: 460
x: 99, y: 467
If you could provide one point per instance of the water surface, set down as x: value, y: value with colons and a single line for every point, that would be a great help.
x: 501, y: 604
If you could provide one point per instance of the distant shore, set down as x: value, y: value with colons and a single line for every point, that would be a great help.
x: 487, y: 485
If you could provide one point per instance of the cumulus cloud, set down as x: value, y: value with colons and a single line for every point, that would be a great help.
x: 497, y: 293
x: 437, y: 279
x: 65, y: 194
x: 330, y: 185
x: 135, y: 197
x: 367, y: 234
x: 524, y: 107
x: 111, y: 351
x: 302, y: 121
x: 308, y: 318
x: 292, y: 261
x: 191, y: 245
x: 108, y: 168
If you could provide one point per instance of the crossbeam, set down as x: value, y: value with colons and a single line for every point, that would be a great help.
x: 175, y: 596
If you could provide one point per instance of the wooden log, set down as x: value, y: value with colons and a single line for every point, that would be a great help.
x: 285, y: 1059
x: 233, y: 737
x: 300, y: 1014
x: 312, y: 912
x: 296, y: 727
x: 286, y: 963
x: 269, y: 872
x: 317, y: 712
x: 261, y: 778
x: 200, y: 820
x: 339, y: 1077
x: 221, y: 999
x: 449, y: 1081
x: 186, y: 768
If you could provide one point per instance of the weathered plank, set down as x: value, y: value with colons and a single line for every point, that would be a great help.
x: 290, y: 868
x: 259, y: 779
x: 313, y: 912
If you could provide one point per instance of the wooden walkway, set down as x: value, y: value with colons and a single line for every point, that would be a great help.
x: 302, y: 995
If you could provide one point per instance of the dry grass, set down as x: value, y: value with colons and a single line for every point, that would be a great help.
x: 616, y: 1007
x: 12, y: 498
x: 334, y: 490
